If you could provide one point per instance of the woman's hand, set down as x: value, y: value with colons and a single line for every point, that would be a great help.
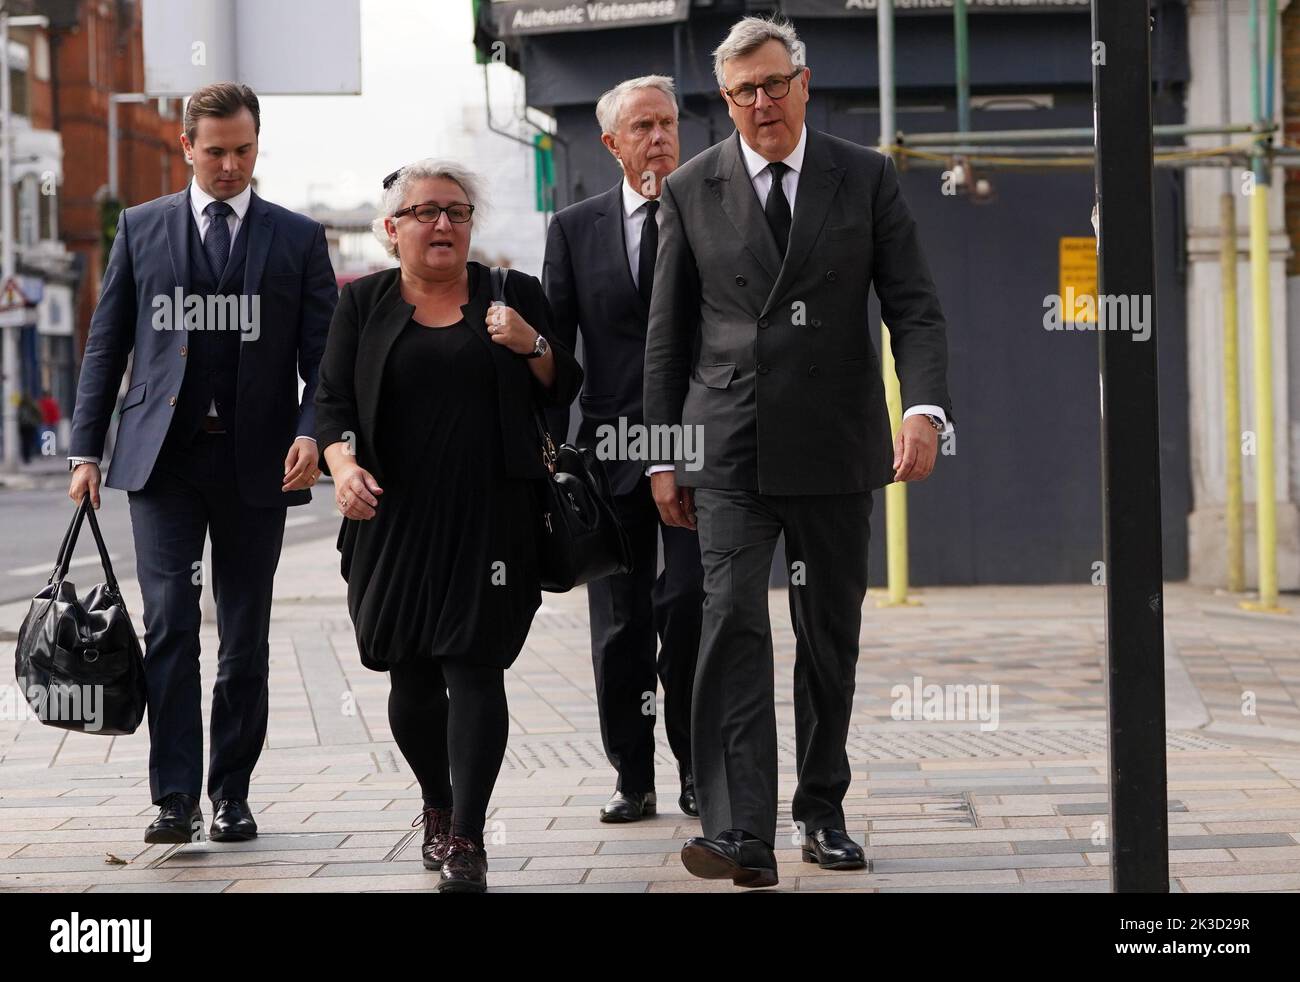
x: 356, y: 492
x: 506, y: 327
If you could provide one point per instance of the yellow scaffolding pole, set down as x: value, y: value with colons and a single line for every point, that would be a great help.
x: 895, y: 493
x: 1231, y: 396
x: 1262, y: 359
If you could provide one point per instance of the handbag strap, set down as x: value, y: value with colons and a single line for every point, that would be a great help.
x: 84, y: 511
x: 497, y: 276
x: 70, y: 534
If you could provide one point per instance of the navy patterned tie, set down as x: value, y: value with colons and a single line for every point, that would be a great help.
x: 217, y: 242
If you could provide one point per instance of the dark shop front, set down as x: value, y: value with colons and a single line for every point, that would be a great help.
x: 1017, y: 496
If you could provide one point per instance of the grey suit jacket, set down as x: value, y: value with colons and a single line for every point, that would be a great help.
x: 772, y: 360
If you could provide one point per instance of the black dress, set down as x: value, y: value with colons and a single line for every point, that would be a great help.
x: 450, y: 557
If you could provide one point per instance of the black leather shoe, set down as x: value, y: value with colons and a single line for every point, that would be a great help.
x: 687, y: 802
x: 734, y: 855
x: 180, y: 819
x: 464, y: 870
x: 833, y: 849
x: 232, y: 821
x: 437, y: 835
x: 629, y: 806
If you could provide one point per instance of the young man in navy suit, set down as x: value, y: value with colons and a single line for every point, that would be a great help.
x: 224, y: 300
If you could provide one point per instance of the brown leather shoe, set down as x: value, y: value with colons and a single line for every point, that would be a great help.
x: 437, y: 835
x: 464, y: 870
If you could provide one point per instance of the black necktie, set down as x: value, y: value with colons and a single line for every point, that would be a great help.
x: 645, y: 265
x: 217, y: 242
x: 777, y: 208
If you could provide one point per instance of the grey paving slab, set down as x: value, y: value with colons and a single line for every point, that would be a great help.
x: 1175, y: 842
x: 939, y: 804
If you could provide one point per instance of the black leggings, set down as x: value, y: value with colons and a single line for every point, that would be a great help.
x: 449, y: 719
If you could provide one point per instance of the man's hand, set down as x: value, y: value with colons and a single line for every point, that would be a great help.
x: 85, y: 478
x: 300, y: 470
x: 915, y: 449
x: 676, y: 505
x: 355, y: 493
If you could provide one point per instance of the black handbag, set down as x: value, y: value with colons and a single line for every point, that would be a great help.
x: 579, y: 535
x: 78, y: 662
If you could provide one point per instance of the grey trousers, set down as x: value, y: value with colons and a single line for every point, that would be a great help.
x: 733, y: 715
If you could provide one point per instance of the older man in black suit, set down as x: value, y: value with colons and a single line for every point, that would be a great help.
x: 598, y: 275
x: 759, y: 339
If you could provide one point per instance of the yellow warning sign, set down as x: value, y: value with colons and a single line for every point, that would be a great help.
x: 11, y: 295
x: 1078, y: 277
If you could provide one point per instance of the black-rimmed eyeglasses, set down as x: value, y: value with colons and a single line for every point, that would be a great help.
x: 776, y: 87
x: 428, y: 212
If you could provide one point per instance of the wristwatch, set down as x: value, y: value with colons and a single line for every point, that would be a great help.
x: 540, y: 347
x: 936, y: 422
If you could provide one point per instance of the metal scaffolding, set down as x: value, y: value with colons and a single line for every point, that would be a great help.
x: 1123, y: 154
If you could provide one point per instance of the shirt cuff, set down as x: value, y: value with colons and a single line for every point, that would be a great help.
x: 658, y: 468
x: 930, y: 411
x: 304, y: 436
x: 74, y: 461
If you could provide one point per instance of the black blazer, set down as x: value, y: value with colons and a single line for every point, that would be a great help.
x: 590, y: 287
x: 370, y: 315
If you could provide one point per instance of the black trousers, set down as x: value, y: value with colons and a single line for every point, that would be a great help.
x: 628, y: 613
x: 734, y: 717
x: 192, y: 495
x: 451, y: 722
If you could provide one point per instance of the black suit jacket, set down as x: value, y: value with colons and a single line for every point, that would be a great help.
x: 770, y: 356
x: 371, y: 314
x: 288, y: 269
x: 590, y: 287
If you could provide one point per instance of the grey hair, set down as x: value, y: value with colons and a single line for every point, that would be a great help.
x: 610, y: 106
x: 751, y: 33
x: 429, y: 168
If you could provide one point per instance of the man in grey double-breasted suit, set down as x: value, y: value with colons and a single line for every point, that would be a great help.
x: 759, y: 342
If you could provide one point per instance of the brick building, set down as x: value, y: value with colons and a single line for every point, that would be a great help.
x: 61, y: 78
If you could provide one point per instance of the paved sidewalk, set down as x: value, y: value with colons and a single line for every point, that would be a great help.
x: 941, y: 805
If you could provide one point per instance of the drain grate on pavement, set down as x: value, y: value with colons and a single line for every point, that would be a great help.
x: 585, y: 753
x: 957, y: 744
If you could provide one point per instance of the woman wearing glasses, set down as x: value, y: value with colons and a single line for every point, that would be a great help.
x: 425, y: 412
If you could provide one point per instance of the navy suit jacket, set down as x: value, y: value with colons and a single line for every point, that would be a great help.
x: 288, y: 269
x: 590, y: 287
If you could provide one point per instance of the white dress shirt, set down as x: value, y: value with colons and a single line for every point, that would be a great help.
x: 634, y: 213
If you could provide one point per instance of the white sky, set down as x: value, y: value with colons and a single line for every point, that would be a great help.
x: 417, y: 72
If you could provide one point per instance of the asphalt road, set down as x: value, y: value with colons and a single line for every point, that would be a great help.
x: 32, y: 523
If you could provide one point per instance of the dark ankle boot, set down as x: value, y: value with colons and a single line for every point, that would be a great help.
x: 437, y: 835
x: 464, y: 870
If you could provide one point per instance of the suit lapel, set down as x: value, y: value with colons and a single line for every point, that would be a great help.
x: 735, y: 192
x: 261, y: 230
x: 611, y: 234
x: 178, y: 237
x: 818, y: 182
